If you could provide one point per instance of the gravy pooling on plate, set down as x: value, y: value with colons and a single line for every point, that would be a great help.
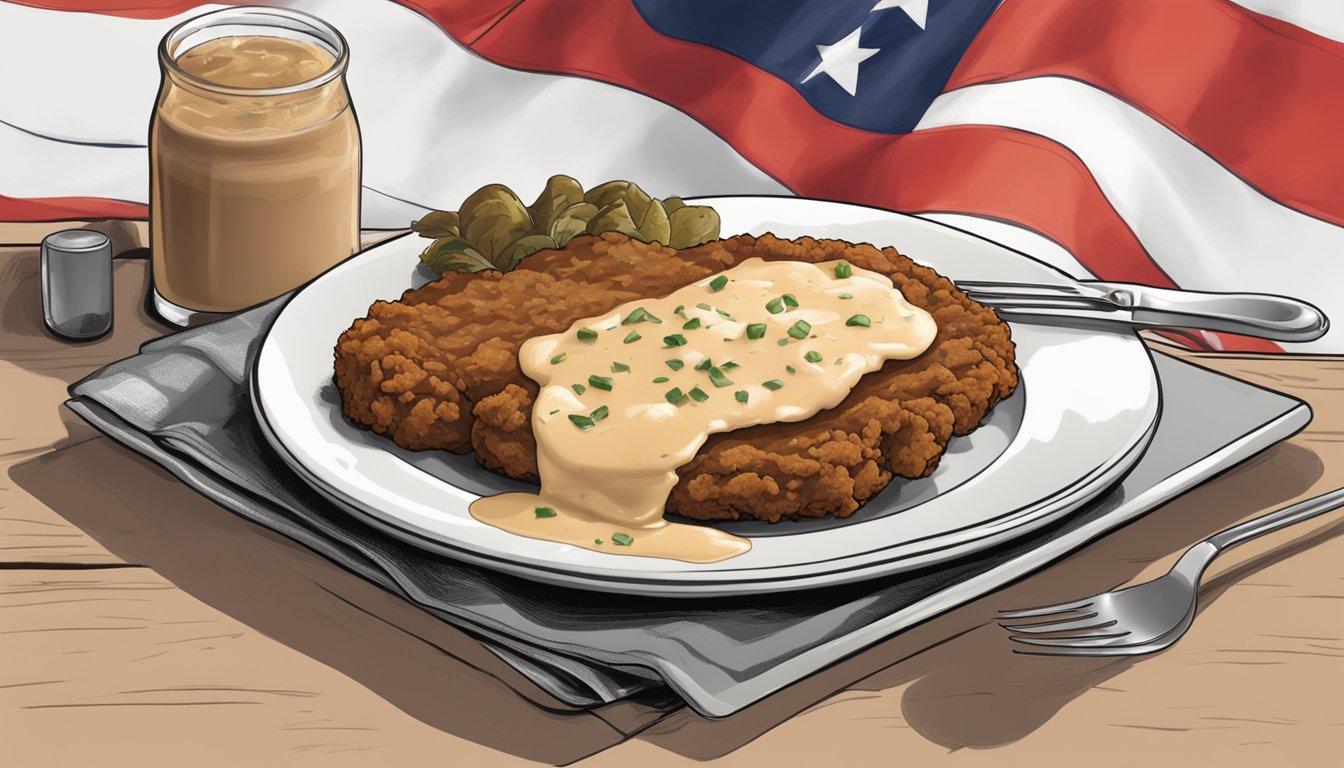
x: 629, y: 397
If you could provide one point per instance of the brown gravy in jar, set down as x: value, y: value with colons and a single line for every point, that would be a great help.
x: 253, y: 191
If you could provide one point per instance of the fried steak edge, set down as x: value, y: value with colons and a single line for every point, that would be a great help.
x: 438, y: 370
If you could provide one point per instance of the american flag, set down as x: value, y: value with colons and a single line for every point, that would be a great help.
x: 1180, y: 143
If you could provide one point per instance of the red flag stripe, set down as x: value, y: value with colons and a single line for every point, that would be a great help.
x: 997, y: 173
x: 464, y: 20
x: 1244, y: 87
x: 130, y: 9
x: 68, y: 209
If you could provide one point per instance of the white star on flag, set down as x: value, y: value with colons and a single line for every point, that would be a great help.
x: 917, y: 10
x: 840, y: 61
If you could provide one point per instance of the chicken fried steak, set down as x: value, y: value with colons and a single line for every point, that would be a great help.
x: 438, y: 369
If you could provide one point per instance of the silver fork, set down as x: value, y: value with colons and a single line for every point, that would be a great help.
x: 1146, y: 617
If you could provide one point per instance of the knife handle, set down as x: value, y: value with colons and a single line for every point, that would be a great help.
x: 1266, y: 316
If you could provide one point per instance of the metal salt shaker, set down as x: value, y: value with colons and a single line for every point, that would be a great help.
x: 77, y: 283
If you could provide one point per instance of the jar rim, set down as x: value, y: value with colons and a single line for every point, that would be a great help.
x: 259, y: 17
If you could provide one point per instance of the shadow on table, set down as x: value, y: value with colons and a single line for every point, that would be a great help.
x: 420, y: 664
x: 966, y: 688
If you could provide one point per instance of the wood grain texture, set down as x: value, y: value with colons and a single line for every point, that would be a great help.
x: 120, y: 662
x: 154, y: 624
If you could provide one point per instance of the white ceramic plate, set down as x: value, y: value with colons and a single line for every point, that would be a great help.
x: 1086, y: 408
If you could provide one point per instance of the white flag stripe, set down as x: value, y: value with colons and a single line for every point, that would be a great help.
x: 97, y: 75
x: 38, y: 167
x: 431, y: 113
x: 1203, y: 225
x: 1019, y: 238
x: 1323, y: 17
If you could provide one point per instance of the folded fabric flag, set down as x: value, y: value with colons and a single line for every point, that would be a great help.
x: 1184, y: 143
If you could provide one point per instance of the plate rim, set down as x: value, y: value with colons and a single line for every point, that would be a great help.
x: 702, y: 582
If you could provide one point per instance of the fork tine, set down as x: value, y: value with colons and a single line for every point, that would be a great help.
x: 1047, y: 610
x: 1114, y: 639
x: 1089, y: 621
x: 1104, y: 650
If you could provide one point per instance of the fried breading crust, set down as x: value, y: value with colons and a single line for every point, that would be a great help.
x: 439, y: 370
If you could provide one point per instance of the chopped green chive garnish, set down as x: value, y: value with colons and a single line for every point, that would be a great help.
x: 620, y: 368
x: 741, y: 395
x: 691, y: 324
x: 755, y: 330
x: 552, y: 413
x: 675, y: 340
x: 843, y: 270
x: 544, y: 512
x: 728, y: 366
x: 556, y: 360
x: 718, y: 283
x: 600, y: 413
x: 861, y: 320
x: 789, y: 300
x: 813, y: 357
x: 704, y: 365
x: 717, y: 378
x: 704, y: 306
x: 782, y: 342
x: 800, y: 329
x: 601, y: 382
x: 774, y: 306
x: 623, y: 539
x: 579, y: 389
x: 790, y: 369
x: 632, y: 337
x: 772, y: 384
x: 680, y: 310
x: 597, y: 541
x: 661, y: 380
x: 698, y: 395
x: 587, y: 334
x: 639, y: 315
x: 675, y: 365
x: 846, y: 295
x: 675, y: 395
x: 581, y: 421
x: 721, y: 312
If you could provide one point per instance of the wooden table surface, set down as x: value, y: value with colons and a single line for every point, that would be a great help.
x: 140, y: 623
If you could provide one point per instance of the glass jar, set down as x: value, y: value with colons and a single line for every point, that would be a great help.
x: 254, y: 160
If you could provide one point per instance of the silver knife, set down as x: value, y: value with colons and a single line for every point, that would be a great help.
x: 1252, y: 314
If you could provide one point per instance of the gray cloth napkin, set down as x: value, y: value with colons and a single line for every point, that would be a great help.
x: 185, y: 403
